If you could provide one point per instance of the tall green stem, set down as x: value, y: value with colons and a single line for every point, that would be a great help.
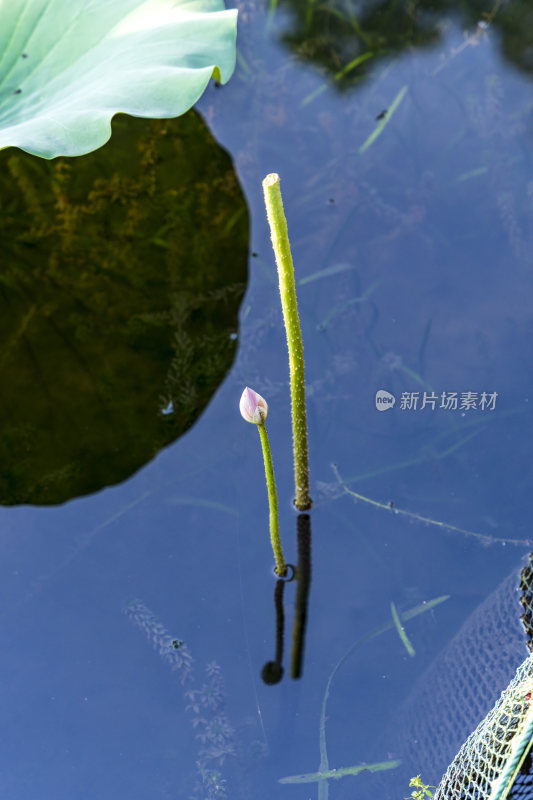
x: 275, y: 539
x: 287, y: 289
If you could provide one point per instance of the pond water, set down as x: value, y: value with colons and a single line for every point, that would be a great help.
x: 138, y: 598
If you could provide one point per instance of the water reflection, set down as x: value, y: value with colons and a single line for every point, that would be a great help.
x: 346, y: 39
x: 303, y: 575
x: 418, y: 274
x: 273, y: 671
x: 122, y: 276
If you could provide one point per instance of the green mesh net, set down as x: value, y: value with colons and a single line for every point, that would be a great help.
x: 489, y: 762
x: 495, y: 761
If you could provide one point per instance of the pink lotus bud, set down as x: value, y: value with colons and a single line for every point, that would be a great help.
x: 253, y: 407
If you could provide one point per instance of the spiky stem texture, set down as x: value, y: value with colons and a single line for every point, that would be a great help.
x: 287, y: 290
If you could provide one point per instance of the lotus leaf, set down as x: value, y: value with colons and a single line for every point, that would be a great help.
x: 67, y: 66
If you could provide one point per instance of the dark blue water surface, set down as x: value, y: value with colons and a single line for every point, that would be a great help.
x: 413, y: 257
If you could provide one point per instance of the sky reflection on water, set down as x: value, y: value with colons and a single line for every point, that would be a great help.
x: 428, y: 231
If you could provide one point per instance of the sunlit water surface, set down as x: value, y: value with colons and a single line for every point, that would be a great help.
x: 136, y: 621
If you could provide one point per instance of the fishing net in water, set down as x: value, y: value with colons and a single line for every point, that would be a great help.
x: 490, y: 760
x: 460, y: 686
x: 495, y: 760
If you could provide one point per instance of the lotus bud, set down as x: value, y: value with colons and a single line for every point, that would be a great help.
x: 253, y: 407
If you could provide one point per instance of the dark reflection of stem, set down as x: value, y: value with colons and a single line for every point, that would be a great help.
x: 272, y: 672
x: 303, y: 576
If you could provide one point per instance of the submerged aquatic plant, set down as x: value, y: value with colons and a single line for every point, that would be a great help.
x: 390, y: 507
x: 206, y: 704
x: 254, y: 409
x: 325, y: 773
x: 289, y: 305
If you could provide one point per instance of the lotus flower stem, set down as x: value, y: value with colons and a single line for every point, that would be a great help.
x: 275, y: 539
x: 254, y: 409
x: 289, y: 305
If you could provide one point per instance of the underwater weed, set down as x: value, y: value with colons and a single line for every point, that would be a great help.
x: 325, y: 773
x: 482, y: 537
x: 206, y: 704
